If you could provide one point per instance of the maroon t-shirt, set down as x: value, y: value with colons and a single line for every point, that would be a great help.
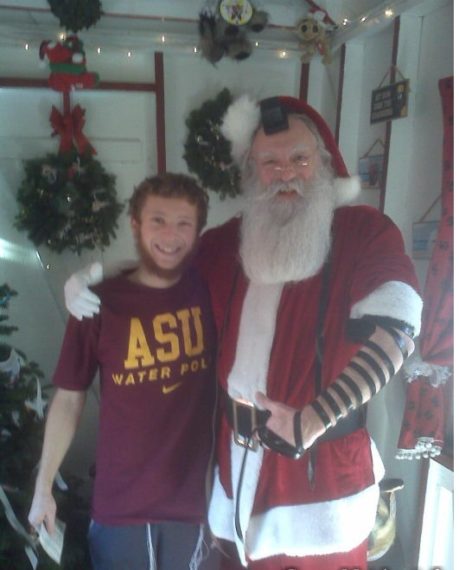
x: 154, y: 349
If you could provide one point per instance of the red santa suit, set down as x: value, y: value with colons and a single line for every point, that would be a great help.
x: 269, y: 334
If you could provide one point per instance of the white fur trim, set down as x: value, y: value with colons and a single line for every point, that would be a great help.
x: 347, y: 189
x: 302, y: 530
x: 239, y: 124
x: 392, y: 299
x: 254, y: 341
x: 316, y: 529
x: 247, y: 377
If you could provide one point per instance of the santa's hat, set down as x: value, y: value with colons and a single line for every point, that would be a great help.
x: 244, y: 116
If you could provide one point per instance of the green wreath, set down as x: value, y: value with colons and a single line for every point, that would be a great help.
x: 68, y: 201
x: 207, y: 151
x: 76, y: 14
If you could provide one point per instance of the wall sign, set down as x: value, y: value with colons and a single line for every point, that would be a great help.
x: 371, y: 166
x: 389, y: 102
x: 424, y: 236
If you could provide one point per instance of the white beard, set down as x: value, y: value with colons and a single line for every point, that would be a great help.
x: 286, y: 240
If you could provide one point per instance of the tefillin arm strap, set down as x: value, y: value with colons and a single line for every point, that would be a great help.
x: 368, y: 371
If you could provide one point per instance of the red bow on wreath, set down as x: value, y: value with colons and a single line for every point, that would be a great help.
x: 70, y: 128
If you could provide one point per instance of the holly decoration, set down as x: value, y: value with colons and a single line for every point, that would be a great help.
x: 68, y: 201
x: 207, y: 151
x: 21, y: 436
x: 76, y: 14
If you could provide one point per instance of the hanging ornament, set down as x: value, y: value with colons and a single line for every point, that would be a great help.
x: 11, y: 366
x: 225, y: 32
x: 67, y: 63
x: 236, y: 12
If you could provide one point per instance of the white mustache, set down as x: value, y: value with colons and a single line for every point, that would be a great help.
x: 275, y: 187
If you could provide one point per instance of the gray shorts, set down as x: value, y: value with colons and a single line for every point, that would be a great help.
x: 159, y: 546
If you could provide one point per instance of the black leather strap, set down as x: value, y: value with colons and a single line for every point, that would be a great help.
x: 297, y: 430
x: 382, y: 355
x: 352, y: 422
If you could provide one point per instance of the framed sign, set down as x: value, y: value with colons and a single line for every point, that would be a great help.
x: 370, y: 171
x: 389, y: 102
x: 424, y: 236
x: 371, y: 166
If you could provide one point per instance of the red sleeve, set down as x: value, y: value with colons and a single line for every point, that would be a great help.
x: 77, y: 363
x: 218, y: 262
x: 374, y: 248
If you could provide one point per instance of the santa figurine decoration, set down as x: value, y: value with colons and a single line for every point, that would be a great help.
x: 67, y: 61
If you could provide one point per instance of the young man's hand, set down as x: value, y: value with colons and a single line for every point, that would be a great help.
x: 43, y: 510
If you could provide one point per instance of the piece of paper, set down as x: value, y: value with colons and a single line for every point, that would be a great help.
x: 53, y: 543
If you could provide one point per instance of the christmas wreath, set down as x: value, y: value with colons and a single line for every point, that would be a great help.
x: 68, y: 201
x: 76, y: 14
x: 207, y: 151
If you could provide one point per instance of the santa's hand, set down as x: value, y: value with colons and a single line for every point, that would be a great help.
x: 79, y: 300
x: 281, y: 421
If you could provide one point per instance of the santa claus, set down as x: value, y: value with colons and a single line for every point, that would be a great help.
x: 317, y: 306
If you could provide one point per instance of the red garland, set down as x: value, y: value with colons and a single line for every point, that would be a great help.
x: 70, y: 128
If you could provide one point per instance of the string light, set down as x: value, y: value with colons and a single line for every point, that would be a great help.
x: 129, y: 53
x: 388, y: 13
x: 363, y: 19
x: 99, y: 50
x: 26, y: 47
x: 346, y: 22
x: 62, y: 36
x: 257, y: 44
x: 283, y: 54
x: 163, y: 38
x: 195, y: 49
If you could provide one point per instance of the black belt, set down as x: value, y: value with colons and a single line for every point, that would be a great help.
x: 244, y: 418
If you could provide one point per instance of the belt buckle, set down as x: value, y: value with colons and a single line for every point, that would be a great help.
x: 247, y: 441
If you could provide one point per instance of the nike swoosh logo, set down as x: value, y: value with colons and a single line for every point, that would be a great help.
x: 171, y: 388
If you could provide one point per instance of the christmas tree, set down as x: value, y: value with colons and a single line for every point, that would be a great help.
x: 21, y: 436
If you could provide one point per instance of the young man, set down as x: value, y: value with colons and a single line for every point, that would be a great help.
x: 153, y: 345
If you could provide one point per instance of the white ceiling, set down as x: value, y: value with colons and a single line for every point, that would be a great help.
x: 173, y: 24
